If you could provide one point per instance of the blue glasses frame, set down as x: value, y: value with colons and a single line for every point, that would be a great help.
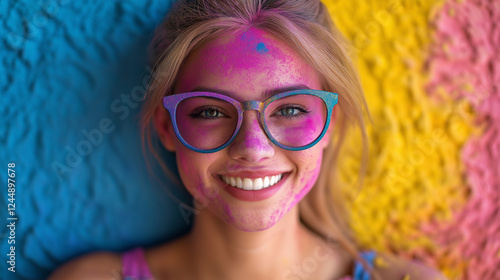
x: 172, y: 101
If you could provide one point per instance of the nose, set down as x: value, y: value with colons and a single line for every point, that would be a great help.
x: 251, y: 143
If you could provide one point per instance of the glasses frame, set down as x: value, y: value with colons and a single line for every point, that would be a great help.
x: 172, y: 101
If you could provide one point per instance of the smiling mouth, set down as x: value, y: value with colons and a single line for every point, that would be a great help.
x: 252, y: 184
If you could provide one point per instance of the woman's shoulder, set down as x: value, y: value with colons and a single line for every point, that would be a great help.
x: 162, y: 260
x: 393, y: 267
x: 169, y: 260
x: 98, y: 265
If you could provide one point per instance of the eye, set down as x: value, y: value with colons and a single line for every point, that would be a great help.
x: 291, y: 111
x: 208, y: 113
x: 212, y: 113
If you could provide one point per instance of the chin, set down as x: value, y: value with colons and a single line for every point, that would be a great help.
x: 252, y: 220
x: 253, y: 228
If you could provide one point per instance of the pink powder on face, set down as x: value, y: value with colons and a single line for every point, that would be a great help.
x: 292, y: 197
x: 240, y: 49
x: 228, y: 215
x: 311, y: 178
x: 227, y: 210
x: 244, y: 55
x: 253, y: 142
x: 245, y: 65
x: 209, y: 197
x: 246, y: 62
x: 301, y: 128
x: 183, y: 162
x: 300, y: 134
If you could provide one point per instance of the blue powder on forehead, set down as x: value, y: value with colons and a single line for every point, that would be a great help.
x: 261, y: 48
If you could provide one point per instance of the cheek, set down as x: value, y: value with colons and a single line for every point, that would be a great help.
x: 219, y: 206
x: 308, y: 177
x: 193, y: 169
x: 302, y: 132
x: 189, y: 131
x: 184, y: 162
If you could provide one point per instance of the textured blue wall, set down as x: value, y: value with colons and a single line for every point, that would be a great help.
x: 71, y: 68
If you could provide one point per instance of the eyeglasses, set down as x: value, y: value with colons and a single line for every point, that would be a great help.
x: 207, y: 122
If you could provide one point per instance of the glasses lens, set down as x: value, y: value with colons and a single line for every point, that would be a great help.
x: 296, y: 120
x: 206, y: 122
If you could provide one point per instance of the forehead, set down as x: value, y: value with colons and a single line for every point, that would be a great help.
x: 246, y: 63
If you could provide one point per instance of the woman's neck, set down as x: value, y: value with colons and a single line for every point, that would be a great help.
x: 220, y: 251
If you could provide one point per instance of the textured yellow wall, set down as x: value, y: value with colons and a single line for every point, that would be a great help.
x: 415, y: 176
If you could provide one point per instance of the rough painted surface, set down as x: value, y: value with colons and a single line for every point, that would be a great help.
x: 65, y: 63
x: 466, y: 63
x: 68, y: 67
x: 432, y: 189
x: 415, y: 174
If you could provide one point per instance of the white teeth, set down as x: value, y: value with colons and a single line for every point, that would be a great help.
x: 247, y: 184
x: 239, y: 183
x: 252, y: 184
x: 257, y: 184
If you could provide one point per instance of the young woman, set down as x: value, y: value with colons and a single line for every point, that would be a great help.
x: 254, y: 97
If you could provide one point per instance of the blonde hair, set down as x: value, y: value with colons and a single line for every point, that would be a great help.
x: 306, y: 27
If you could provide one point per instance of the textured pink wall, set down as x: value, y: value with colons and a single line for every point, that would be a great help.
x: 430, y: 74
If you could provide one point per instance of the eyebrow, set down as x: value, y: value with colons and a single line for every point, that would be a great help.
x: 265, y: 95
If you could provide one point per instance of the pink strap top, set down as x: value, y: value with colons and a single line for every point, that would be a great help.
x: 135, y: 267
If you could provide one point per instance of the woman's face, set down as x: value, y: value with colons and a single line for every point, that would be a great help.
x: 243, y: 67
